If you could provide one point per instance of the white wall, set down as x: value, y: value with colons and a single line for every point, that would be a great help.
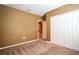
x: 65, y: 29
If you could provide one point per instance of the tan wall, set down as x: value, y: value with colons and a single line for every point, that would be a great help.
x: 44, y: 30
x: 63, y: 9
x: 16, y: 24
x: 0, y: 27
x: 1, y: 13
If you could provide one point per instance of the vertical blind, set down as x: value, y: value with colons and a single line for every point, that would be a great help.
x: 65, y: 29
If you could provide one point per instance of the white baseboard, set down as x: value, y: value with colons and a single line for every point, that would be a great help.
x: 17, y: 44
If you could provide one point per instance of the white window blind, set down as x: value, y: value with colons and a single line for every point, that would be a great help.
x: 65, y: 29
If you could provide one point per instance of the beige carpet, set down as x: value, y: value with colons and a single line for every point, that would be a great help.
x: 38, y: 47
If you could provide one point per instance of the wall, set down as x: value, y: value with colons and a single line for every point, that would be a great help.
x: 65, y: 30
x: 44, y: 27
x: 17, y: 24
x: 61, y: 10
x: 1, y: 17
x: 44, y: 30
x: 0, y: 27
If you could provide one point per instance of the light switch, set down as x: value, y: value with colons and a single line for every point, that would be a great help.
x: 23, y: 37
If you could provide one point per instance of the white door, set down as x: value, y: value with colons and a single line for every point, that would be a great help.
x: 65, y: 29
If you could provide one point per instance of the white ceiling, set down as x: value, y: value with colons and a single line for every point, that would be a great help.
x: 38, y: 9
